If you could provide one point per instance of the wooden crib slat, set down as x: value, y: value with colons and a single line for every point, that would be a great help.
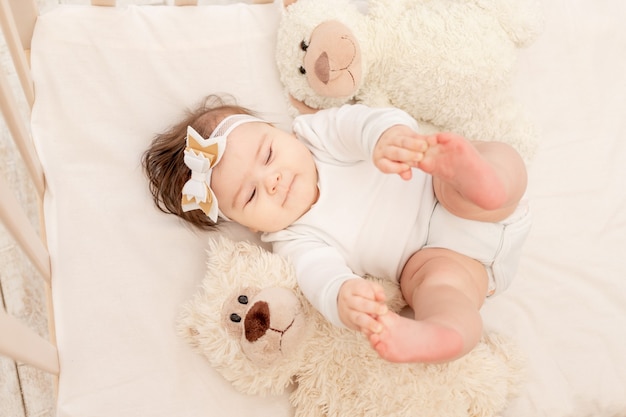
x: 107, y: 3
x: 20, y: 133
x: 18, y: 225
x: 26, y: 346
x: 25, y: 15
x: 18, y: 34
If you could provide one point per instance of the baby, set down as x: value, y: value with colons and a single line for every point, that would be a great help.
x: 356, y: 190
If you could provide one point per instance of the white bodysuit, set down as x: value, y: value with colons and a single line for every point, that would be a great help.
x: 364, y: 221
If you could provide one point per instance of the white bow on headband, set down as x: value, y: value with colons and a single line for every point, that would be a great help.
x: 201, y: 155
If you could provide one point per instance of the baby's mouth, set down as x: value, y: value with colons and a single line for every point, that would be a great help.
x: 287, y: 191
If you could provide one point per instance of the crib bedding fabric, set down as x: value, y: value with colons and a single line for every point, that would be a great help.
x: 107, y: 80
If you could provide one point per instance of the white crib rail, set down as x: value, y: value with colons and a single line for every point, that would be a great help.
x: 26, y: 346
x: 17, y: 18
x: 18, y: 21
x: 17, y: 34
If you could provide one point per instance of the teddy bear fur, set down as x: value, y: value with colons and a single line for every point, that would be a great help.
x: 254, y: 326
x: 447, y: 63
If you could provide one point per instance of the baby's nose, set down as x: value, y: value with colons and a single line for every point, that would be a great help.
x: 271, y: 182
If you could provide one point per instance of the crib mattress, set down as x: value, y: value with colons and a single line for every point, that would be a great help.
x: 107, y: 80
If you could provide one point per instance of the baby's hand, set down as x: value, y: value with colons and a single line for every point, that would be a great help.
x: 398, y: 150
x: 359, y: 303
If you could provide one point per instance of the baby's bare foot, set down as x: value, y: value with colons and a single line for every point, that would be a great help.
x: 407, y: 340
x: 455, y: 161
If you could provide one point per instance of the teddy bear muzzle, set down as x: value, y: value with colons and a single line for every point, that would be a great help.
x: 332, y: 63
x: 272, y: 325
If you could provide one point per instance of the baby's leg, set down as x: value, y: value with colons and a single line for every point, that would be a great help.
x: 475, y: 180
x: 445, y: 290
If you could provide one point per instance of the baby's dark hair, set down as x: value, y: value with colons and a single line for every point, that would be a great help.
x: 163, y: 161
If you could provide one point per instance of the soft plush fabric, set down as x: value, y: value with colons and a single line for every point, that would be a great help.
x: 108, y: 79
x: 253, y: 324
x: 448, y: 64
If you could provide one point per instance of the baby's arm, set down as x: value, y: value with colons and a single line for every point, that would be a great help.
x: 398, y: 150
x: 360, y: 302
x: 322, y: 273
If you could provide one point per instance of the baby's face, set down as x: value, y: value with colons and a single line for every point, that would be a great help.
x: 266, y: 178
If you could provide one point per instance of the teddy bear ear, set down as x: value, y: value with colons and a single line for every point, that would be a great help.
x: 225, y: 248
x: 191, y: 334
x: 187, y: 327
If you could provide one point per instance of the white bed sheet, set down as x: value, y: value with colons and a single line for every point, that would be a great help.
x: 567, y: 308
x: 108, y: 79
x: 121, y: 269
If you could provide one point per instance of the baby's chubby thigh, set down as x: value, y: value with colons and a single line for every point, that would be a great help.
x: 430, y: 269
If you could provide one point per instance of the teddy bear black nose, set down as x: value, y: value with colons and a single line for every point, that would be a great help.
x: 257, y: 321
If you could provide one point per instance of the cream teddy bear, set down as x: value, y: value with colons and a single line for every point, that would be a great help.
x: 254, y: 326
x: 447, y: 63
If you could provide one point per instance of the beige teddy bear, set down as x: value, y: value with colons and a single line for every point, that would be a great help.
x: 447, y: 63
x: 254, y: 326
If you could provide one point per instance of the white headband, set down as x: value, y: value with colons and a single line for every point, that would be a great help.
x: 201, y: 155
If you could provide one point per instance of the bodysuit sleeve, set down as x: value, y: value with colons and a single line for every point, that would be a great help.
x: 320, y: 271
x: 349, y: 133
x: 335, y: 136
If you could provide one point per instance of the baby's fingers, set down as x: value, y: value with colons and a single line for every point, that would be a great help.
x: 359, y: 303
x: 404, y: 154
x: 399, y: 155
x: 368, y: 306
x: 366, y: 296
x: 366, y: 324
x: 392, y: 167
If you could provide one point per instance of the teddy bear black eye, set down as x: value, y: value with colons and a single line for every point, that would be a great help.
x: 302, y: 70
x: 242, y: 299
x: 235, y: 318
x: 304, y: 46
